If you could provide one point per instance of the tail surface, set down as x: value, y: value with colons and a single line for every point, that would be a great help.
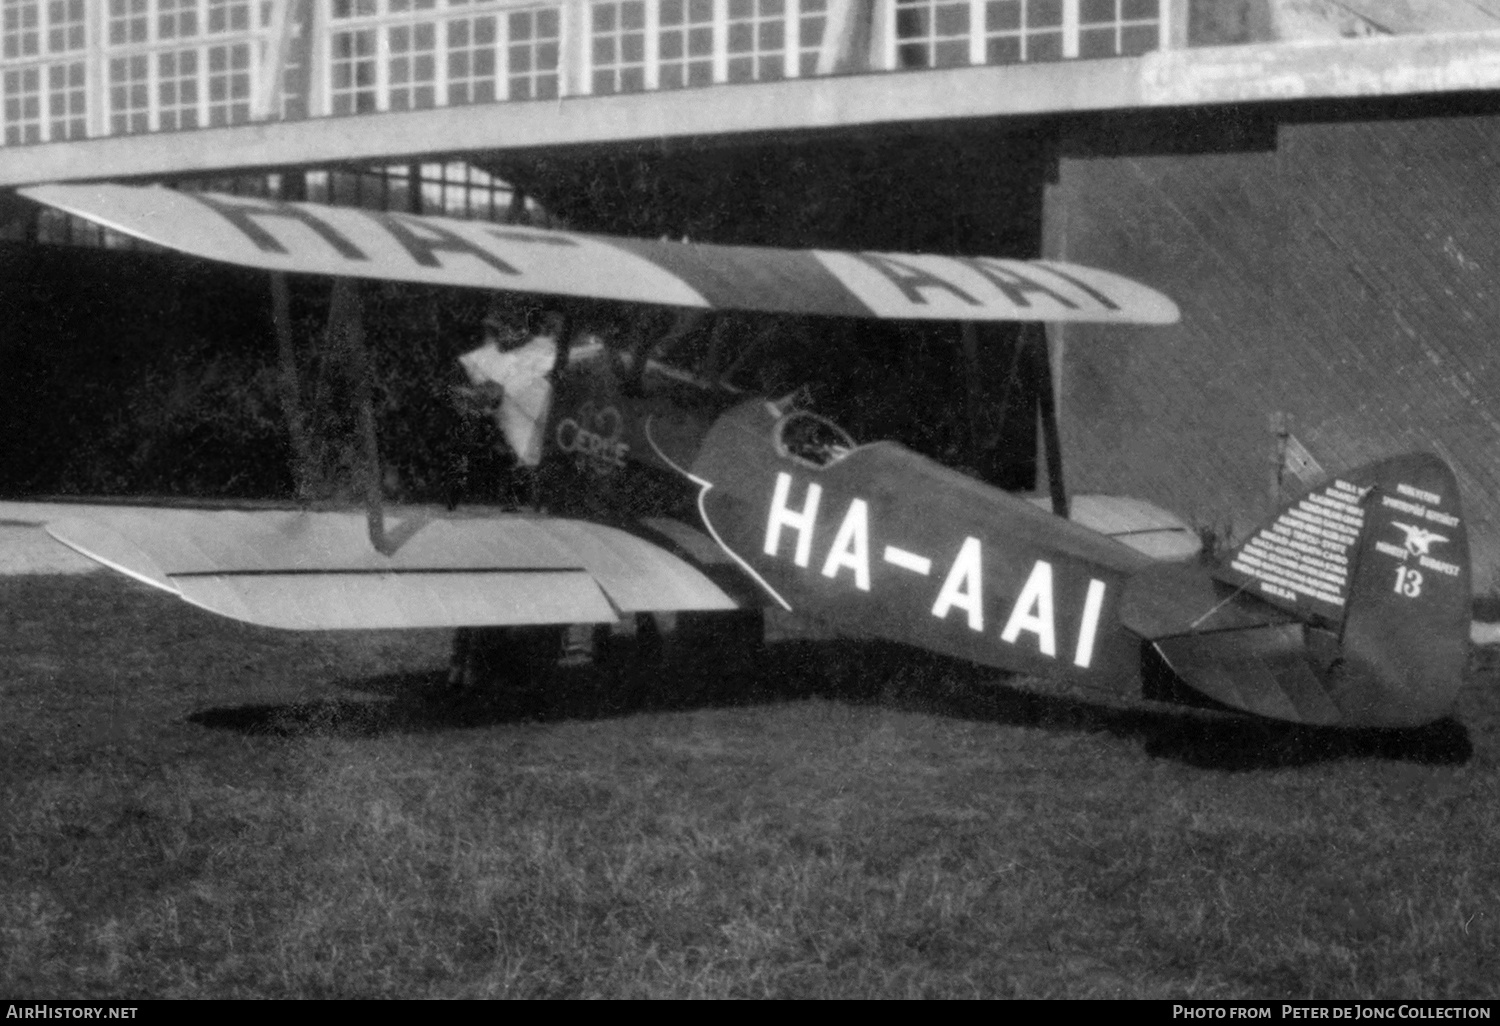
x: 1369, y: 574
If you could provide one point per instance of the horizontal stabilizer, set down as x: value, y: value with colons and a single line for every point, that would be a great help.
x: 317, y: 570
x: 348, y: 242
x: 1144, y: 526
x: 1173, y: 599
x: 1261, y: 670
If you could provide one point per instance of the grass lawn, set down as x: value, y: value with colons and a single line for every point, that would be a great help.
x: 196, y: 808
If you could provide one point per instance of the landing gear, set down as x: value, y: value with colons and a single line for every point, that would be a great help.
x: 514, y: 664
x: 583, y: 669
x: 672, y: 661
x: 681, y: 660
x: 719, y: 656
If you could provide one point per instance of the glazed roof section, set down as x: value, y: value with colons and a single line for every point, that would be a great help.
x: 151, y: 88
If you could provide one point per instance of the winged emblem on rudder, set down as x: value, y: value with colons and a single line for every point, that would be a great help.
x: 1418, y: 539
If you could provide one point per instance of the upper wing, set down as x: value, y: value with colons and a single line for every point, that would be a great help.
x: 317, y: 571
x: 314, y: 239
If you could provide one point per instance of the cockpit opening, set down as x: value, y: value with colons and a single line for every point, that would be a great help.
x: 811, y: 439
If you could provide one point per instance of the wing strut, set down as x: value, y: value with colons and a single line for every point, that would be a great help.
x: 968, y: 340
x: 1041, y: 360
x: 291, y: 386
x: 1030, y: 373
x: 344, y: 318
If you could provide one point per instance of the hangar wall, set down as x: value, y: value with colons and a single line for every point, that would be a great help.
x: 1347, y: 278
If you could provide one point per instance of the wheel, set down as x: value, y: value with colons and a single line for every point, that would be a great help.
x: 511, y: 661
x: 630, y: 657
x: 628, y: 646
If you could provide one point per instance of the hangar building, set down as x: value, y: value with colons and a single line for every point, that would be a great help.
x: 1313, y: 182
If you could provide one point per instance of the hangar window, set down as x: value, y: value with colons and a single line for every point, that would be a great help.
x: 455, y: 189
x: 129, y: 95
x: 757, y: 40
x: 229, y: 15
x: 229, y: 84
x: 471, y: 60
x: 177, y: 89
x: 686, y: 43
x: 1123, y: 28
x: 533, y: 53
x: 949, y: 33
x: 176, y: 19
x: 129, y: 22
x: 812, y: 19
x: 413, y: 66
x: 67, y: 100
x: 1019, y: 31
x: 53, y: 227
x: 296, y: 75
x: 23, y: 106
x: 375, y: 55
x: 20, y: 27
x: 65, y: 26
x: 618, y: 46
x: 932, y: 33
x: 351, y: 70
x: 371, y: 188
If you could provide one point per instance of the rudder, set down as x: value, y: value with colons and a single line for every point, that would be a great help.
x: 1375, y: 563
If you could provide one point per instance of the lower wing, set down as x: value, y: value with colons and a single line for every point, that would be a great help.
x: 306, y: 570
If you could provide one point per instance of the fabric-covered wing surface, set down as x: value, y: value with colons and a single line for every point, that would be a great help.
x: 342, y: 241
x: 317, y: 571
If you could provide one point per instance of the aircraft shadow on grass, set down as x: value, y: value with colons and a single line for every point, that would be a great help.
x: 856, y: 672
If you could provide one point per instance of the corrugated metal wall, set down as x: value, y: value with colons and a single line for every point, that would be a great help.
x: 1349, y: 278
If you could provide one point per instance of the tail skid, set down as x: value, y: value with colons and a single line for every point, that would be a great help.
x: 1373, y: 568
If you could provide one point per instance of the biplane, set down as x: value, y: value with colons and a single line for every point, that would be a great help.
x: 1349, y: 606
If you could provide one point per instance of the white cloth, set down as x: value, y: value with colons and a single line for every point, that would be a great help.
x: 526, y: 390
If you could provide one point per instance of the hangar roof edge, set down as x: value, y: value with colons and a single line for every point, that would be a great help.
x: 1269, y: 73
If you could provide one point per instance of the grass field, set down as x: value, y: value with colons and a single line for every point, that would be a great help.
x: 192, y: 807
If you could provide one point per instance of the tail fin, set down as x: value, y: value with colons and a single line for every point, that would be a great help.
x: 1375, y: 563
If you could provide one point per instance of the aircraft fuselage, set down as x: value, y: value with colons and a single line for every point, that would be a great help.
x: 877, y: 541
